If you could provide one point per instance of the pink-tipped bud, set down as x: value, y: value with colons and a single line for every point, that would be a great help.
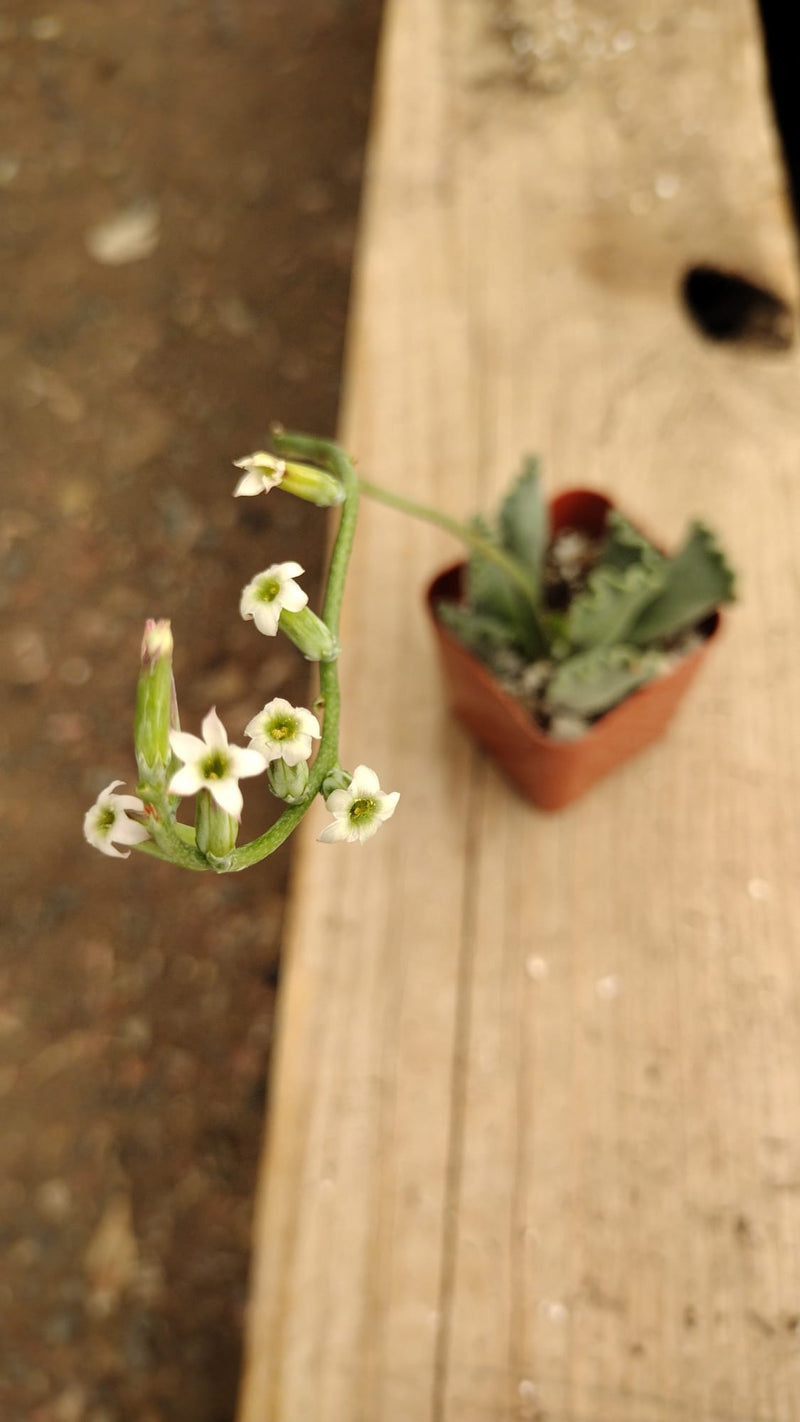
x: 156, y: 704
x: 157, y: 640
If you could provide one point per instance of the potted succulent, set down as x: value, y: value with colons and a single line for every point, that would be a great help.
x: 567, y: 641
x: 575, y: 654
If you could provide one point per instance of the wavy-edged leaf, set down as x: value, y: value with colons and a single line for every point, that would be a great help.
x: 695, y: 582
x: 625, y: 545
x: 489, y: 589
x: 594, y: 681
x: 524, y: 521
x: 479, y: 632
x: 492, y: 593
x: 611, y: 603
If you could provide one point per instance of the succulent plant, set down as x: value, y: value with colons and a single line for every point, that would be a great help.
x: 574, y: 623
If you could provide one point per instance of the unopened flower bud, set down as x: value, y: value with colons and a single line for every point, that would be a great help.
x: 288, y: 782
x: 336, y: 779
x: 308, y: 632
x: 156, y: 704
x: 215, y: 829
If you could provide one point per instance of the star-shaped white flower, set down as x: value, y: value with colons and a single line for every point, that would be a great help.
x: 107, y: 822
x: 262, y: 473
x: 283, y: 732
x: 269, y: 592
x: 211, y: 764
x: 360, y: 810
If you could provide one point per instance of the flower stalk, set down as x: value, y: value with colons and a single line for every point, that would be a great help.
x: 174, y: 764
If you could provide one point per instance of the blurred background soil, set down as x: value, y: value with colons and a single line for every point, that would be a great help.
x: 179, y: 185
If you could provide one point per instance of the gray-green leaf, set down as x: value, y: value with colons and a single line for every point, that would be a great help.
x: 611, y: 602
x: 594, y: 681
x: 695, y: 582
x: 524, y: 522
x: 493, y: 594
x: 625, y: 545
x: 479, y: 632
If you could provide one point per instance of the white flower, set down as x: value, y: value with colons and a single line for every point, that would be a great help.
x: 283, y: 732
x: 263, y: 472
x: 359, y: 810
x: 269, y: 592
x: 211, y: 764
x: 107, y: 821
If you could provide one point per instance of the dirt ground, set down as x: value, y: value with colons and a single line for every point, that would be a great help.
x: 179, y: 182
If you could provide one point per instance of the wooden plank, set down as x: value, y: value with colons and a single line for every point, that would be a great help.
x: 534, y: 1146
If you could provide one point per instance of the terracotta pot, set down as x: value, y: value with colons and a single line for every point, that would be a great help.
x: 549, y: 772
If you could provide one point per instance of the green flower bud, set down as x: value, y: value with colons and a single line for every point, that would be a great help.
x: 156, y: 703
x: 288, y: 782
x: 336, y: 779
x: 264, y: 472
x: 313, y: 485
x: 215, y: 830
x: 310, y: 634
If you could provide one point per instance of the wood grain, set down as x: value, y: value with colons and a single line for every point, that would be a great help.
x: 534, y: 1146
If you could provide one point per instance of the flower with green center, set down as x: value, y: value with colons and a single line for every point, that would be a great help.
x: 107, y: 822
x: 214, y: 765
x: 269, y: 593
x: 360, y: 810
x: 283, y: 732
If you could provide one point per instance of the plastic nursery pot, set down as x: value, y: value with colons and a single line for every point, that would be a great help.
x: 548, y: 772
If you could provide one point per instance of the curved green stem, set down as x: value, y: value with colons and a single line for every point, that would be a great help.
x: 321, y: 452
x: 463, y: 532
x: 168, y: 835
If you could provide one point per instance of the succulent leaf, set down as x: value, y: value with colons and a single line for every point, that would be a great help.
x: 524, y: 521
x: 695, y: 582
x: 492, y: 593
x: 626, y: 545
x: 479, y: 632
x: 595, y: 680
x: 611, y: 602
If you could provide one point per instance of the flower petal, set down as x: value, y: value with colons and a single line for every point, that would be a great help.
x: 214, y: 733
x: 365, y: 782
x: 270, y: 750
x: 186, y: 781
x: 227, y: 795
x: 387, y: 805
x: 335, y: 833
x: 266, y: 616
x: 187, y: 747
x: 127, y: 831
x: 292, y: 597
x: 245, y: 762
x: 307, y: 721
x: 253, y: 727
x: 106, y: 847
x: 129, y: 802
x: 339, y: 802
x: 250, y: 483
x: 296, y: 750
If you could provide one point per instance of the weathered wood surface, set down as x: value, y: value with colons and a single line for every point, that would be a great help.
x: 534, y: 1143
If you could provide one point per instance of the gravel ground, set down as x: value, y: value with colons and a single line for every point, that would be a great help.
x: 178, y: 186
